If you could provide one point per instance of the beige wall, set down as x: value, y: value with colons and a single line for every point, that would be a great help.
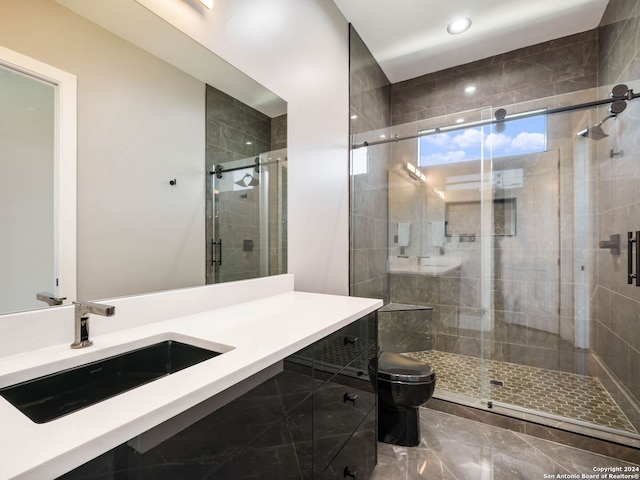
x: 140, y: 124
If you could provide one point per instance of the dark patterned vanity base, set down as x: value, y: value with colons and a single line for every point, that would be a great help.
x: 263, y: 435
x: 313, y: 420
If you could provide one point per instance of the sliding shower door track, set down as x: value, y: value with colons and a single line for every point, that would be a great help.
x: 557, y: 421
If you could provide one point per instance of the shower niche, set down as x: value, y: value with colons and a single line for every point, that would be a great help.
x: 463, y: 219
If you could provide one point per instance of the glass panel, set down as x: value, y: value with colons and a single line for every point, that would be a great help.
x: 27, y: 108
x: 565, y: 354
x: 249, y: 221
x: 436, y: 306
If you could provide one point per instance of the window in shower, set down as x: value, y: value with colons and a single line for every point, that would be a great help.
x: 513, y: 137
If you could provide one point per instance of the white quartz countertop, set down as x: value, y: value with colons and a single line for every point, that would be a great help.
x: 256, y: 333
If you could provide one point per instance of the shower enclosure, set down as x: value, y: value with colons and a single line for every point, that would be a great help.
x: 246, y: 218
x: 507, y: 235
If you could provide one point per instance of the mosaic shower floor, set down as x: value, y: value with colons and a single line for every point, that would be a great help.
x: 559, y: 393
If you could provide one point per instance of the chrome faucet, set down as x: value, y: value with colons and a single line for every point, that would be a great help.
x: 49, y: 298
x: 83, y: 309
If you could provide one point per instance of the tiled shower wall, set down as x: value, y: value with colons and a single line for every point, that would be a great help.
x: 369, y: 109
x: 230, y: 125
x: 552, y: 68
x: 616, y: 320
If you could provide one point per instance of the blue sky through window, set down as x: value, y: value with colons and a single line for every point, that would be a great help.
x: 527, y: 135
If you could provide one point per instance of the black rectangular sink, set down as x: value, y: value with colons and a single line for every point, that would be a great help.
x: 46, y: 398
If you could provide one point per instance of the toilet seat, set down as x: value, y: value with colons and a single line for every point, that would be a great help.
x: 393, y: 367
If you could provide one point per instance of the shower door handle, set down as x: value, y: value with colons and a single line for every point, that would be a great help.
x: 217, y: 260
x: 630, y: 254
x: 637, y: 258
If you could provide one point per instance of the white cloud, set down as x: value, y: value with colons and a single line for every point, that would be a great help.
x: 497, y: 140
x: 528, y: 142
x: 471, y: 137
x: 452, y: 156
x: 439, y: 139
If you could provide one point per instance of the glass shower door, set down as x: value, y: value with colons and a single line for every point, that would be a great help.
x: 510, y: 257
x: 438, y: 200
x: 560, y: 287
x: 457, y: 161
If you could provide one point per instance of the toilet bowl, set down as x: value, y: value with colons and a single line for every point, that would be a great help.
x: 402, y: 384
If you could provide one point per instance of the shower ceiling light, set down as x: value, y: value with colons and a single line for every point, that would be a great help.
x: 459, y: 25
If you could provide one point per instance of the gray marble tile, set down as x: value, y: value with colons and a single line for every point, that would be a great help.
x: 458, y: 448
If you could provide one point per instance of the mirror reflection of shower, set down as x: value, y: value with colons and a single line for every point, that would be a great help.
x: 249, y: 218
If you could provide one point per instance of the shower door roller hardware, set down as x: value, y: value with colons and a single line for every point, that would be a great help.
x: 217, y: 259
x: 630, y: 254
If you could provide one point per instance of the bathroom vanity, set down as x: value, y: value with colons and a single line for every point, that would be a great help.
x: 287, y: 397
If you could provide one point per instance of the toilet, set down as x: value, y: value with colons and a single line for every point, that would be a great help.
x: 403, y: 384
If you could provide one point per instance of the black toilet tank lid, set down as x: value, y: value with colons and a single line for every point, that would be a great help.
x: 393, y: 366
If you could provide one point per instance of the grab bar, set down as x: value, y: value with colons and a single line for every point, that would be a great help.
x: 630, y: 242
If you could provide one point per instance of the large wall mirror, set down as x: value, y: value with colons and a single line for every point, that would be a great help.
x: 156, y: 113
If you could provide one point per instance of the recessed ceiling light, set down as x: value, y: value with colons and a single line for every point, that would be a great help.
x: 353, y: 117
x: 459, y: 120
x: 383, y: 136
x: 470, y: 89
x: 459, y: 25
x: 249, y: 143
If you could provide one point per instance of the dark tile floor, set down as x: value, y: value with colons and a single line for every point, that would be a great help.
x: 454, y: 448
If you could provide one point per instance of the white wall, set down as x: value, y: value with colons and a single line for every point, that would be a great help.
x: 299, y: 50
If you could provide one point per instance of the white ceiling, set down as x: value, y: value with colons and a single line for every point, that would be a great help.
x: 409, y: 38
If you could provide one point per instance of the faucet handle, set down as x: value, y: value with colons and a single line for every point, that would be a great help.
x: 96, y: 308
